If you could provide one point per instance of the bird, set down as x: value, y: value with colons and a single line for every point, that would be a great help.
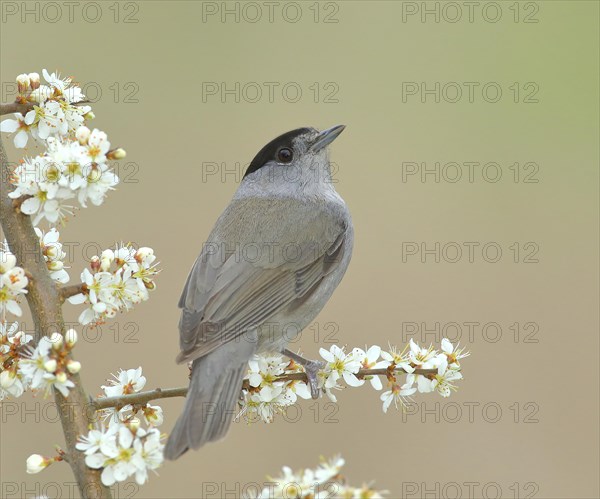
x: 273, y: 259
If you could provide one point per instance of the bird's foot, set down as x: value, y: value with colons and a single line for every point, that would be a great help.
x: 311, y: 367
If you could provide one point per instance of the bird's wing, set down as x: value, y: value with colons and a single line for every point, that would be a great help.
x: 228, y: 294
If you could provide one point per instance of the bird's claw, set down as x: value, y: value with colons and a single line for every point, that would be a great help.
x: 312, y: 368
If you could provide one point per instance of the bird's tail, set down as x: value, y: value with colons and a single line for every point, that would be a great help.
x: 210, y: 404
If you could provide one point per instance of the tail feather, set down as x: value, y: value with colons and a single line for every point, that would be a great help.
x: 233, y: 392
x: 211, y: 400
x: 219, y: 416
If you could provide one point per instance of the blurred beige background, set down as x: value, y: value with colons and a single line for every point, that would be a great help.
x: 524, y: 422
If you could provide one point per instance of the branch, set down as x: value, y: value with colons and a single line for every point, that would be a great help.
x: 16, y: 107
x: 25, y: 107
x: 68, y: 291
x: 143, y: 398
x: 140, y: 398
x: 45, y: 305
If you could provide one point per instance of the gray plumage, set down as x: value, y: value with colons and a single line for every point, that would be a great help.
x: 270, y: 264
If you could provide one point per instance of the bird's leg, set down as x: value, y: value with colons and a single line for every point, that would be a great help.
x: 311, y: 367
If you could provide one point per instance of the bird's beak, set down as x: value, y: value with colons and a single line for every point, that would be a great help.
x: 326, y: 137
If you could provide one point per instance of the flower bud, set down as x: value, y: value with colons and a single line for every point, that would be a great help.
x: 108, y: 254
x: 145, y: 256
x: 82, y: 134
x: 51, y: 251
x: 71, y: 337
x: 73, y: 366
x: 89, y: 115
x: 50, y: 365
x: 118, y: 153
x: 57, y: 341
x: 95, y: 264
x: 7, y: 379
x: 106, y: 260
x: 55, y: 265
x: 61, y: 377
x: 144, y: 251
x: 36, y: 463
x: 34, y: 81
x: 23, y: 83
x: 134, y: 424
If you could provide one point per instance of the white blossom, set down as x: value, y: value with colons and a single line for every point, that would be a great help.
x: 116, y: 281
x: 115, y: 456
x: 50, y: 121
x: 322, y: 482
x: 53, y: 254
x: 55, y: 81
x: 54, y: 112
x: 83, y: 167
x: 267, y: 403
x: 46, y: 366
x: 122, y: 451
x: 148, y: 454
x: 339, y: 366
x: 269, y: 396
x: 263, y: 374
x: 38, y: 180
x: 91, y: 443
x: 397, y: 394
x: 446, y: 363
x: 153, y: 415
x: 125, y: 382
x: 98, y: 295
x: 398, y: 359
x: 443, y: 382
x: 13, y: 282
x: 370, y: 360
x: 13, y: 346
x: 450, y: 356
x: 67, y: 169
x: 269, y: 391
x: 20, y: 126
x: 119, y: 446
x: 424, y: 358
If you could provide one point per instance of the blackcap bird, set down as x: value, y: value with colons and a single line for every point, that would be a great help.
x: 271, y: 262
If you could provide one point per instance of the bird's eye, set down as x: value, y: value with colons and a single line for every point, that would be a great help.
x: 284, y: 155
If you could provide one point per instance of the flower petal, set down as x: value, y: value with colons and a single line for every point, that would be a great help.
x: 9, y: 126
x: 352, y: 380
x: 21, y: 139
x: 30, y: 206
x: 95, y: 461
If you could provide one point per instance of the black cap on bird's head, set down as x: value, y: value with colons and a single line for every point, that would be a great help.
x: 283, y: 149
